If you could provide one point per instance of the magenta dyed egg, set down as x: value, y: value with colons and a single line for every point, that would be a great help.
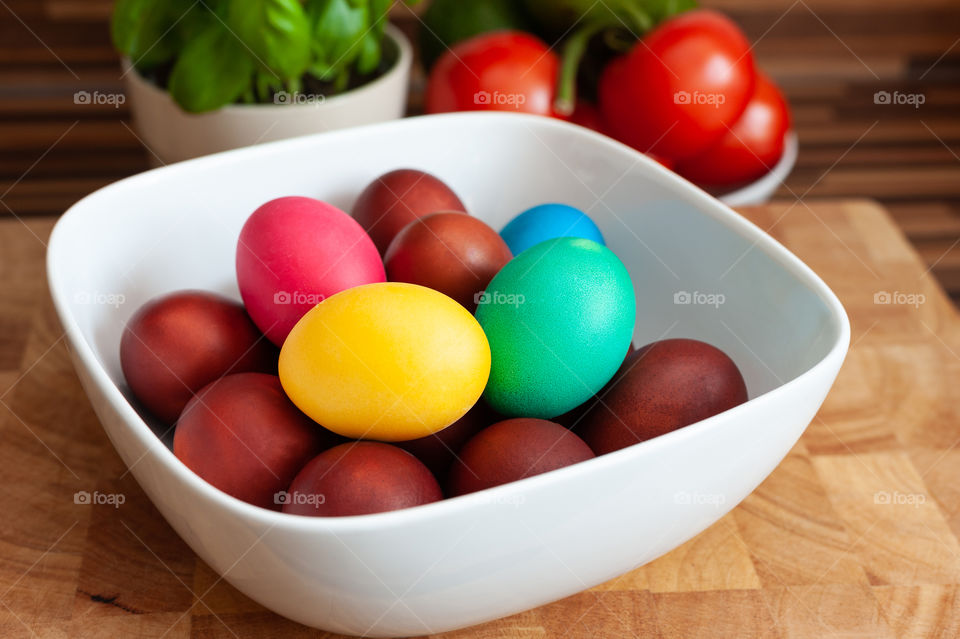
x: 293, y: 253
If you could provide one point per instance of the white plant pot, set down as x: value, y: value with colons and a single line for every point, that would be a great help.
x: 171, y: 134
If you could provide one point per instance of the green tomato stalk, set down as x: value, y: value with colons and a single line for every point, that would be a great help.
x: 633, y: 19
x: 622, y: 22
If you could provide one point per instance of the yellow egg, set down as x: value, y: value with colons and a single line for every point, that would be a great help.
x: 387, y: 361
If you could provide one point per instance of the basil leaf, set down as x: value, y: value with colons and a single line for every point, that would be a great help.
x: 276, y: 32
x: 147, y: 31
x: 214, y: 69
x: 370, y: 53
x: 337, y: 27
x: 379, y: 10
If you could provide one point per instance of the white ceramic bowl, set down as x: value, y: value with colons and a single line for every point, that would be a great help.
x: 478, y: 557
x: 171, y: 134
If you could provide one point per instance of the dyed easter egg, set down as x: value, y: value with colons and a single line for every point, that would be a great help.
x: 389, y: 361
x: 294, y: 252
x: 395, y: 199
x: 176, y: 344
x: 545, y: 222
x: 453, y: 253
x: 241, y: 434
x: 559, y: 318
x: 360, y: 478
x: 663, y: 386
x: 511, y: 450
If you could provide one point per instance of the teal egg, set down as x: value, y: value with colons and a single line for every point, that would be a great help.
x: 559, y: 319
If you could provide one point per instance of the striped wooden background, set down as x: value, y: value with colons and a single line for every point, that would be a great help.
x: 831, y: 56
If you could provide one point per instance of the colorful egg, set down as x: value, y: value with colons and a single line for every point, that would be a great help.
x: 546, y: 222
x: 395, y: 199
x: 453, y: 253
x: 293, y: 253
x: 176, y: 344
x: 663, y: 386
x: 242, y: 435
x: 559, y: 318
x: 389, y: 361
x: 512, y: 450
x: 360, y: 478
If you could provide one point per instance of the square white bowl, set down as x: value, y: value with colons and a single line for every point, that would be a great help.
x: 486, y: 555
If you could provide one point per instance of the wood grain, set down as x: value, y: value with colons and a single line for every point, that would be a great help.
x: 855, y: 534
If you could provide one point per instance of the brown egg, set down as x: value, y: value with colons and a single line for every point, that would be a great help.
x: 176, y: 344
x: 397, y: 198
x: 453, y: 253
x: 511, y: 450
x: 359, y: 478
x: 662, y: 387
x: 242, y: 435
x: 438, y: 451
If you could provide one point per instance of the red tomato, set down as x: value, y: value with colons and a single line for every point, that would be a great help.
x: 750, y: 147
x: 679, y: 88
x: 586, y: 115
x: 666, y: 162
x: 497, y: 71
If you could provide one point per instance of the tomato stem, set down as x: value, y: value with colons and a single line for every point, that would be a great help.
x: 573, y: 51
x: 576, y: 45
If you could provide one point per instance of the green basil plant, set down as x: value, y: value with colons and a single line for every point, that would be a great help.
x: 210, y: 53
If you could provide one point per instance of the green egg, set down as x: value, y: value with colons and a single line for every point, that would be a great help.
x: 559, y: 319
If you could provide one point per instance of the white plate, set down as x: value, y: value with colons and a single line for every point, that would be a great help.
x: 478, y: 557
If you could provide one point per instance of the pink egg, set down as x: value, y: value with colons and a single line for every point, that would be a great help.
x: 293, y: 253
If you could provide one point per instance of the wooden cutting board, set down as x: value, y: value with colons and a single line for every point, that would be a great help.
x: 855, y: 534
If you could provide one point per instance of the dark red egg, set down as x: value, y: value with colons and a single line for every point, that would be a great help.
x: 661, y: 387
x: 511, y: 450
x: 242, y: 435
x: 395, y: 199
x: 453, y: 253
x: 359, y: 478
x: 437, y: 451
x: 176, y: 344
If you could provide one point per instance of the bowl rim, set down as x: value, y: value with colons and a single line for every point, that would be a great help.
x: 707, y: 204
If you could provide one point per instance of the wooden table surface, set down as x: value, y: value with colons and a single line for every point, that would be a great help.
x: 855, y: 534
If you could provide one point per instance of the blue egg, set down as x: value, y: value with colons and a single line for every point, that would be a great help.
x: 546, y: 222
